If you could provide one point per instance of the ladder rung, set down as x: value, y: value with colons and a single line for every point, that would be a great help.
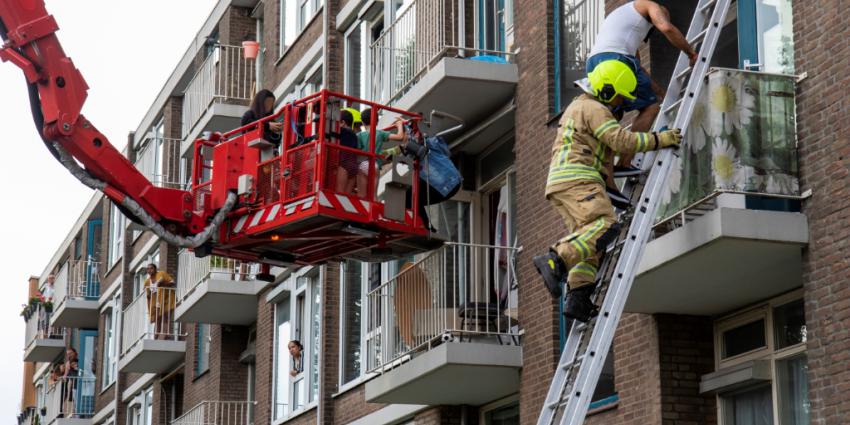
x: 707, y: 5
x: 575, y: 362
x: 684, y: 73
x: 698, y: 37
x: 673, y: 106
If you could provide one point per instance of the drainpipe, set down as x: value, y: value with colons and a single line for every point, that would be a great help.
x: 461, y: 26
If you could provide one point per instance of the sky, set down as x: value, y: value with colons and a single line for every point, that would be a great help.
x: 126, y: 50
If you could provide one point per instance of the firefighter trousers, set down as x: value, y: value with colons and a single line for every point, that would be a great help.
x: 587, y: 212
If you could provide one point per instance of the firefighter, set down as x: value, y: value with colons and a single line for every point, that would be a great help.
x: 588, y: 138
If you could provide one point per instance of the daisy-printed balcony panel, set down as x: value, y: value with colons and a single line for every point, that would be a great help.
x: 741, y: 139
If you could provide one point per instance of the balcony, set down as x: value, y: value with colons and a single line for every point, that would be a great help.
x: 151, y: 340
x: 444, y: 330
x: 219, y: 413
x: 77, y: 289
x: 729, y: 233
x: 419, y: 64
x: 217, y: 290
x: 218, y: 94
x: 43, y: 342
x: 158, y: 160
x: 70, y: 401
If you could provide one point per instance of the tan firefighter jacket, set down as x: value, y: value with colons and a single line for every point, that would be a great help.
x: 588, y: 138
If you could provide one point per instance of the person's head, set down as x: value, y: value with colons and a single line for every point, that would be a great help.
x: 346, y: 118
x: 151, y: 269
x: 366, y: 118
x: 612, y: 82
x: 295, y: 348
x: 263, y: 103
x: 71, y: 354
x: 50, y: 279
x: 356, y: 119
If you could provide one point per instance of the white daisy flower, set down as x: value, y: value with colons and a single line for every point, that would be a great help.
x: 731, y: 104
x: 724, y: 159
x: 674, y: 181
x: 700, y: 129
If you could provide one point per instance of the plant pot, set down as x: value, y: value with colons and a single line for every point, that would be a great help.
x: 250, y: 49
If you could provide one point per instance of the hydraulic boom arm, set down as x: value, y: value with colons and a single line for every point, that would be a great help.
x: 57, y: 93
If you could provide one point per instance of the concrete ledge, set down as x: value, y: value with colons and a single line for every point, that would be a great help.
x: 390, y: 414
x: 738, y: 376
x: 221, y: 117
x: 44, y: 350
x: 152, y: 356
x: 221, y: 302
x: 76, y: 313
x: 452, y: 373
x: 724, y: 260
x: 104, y: 413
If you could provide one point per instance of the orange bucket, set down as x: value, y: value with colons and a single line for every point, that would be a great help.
x: 250, y: 49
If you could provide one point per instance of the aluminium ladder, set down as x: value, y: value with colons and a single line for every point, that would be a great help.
x: 588, y: 343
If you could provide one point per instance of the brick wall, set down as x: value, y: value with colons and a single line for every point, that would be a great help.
x: 686, y: 351
x: 264, y: 359
x: 821, y: 31
x: 277, y: 69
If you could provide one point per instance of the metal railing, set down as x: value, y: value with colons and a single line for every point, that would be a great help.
x: 150, y: 316
x: 421, y: 35
x: 70, y: 397
x: 38, y: 326
x: 159, y: 161
x: 224, y: 77
x: 581, y: 22
x: 192, y: 271
x: 219, y: 413
x: 78, y: 279
x: 457, y: 291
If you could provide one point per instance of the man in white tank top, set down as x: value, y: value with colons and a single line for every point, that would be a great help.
x: 620, y: 36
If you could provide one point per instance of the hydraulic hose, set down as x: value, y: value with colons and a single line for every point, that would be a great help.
x: 128, y: 205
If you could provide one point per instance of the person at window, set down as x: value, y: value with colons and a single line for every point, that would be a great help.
x: 296, y: 351
x: 588, y: 137
x: 161, y: 301
x: 346, y: 174
x: 381, y: 137
x: 46, y: 312
x: 621, y: 34
x: 262, y: 106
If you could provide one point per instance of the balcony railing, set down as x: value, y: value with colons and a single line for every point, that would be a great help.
x: 159, y: 162
x: 150, y: 316
x: 78, y: 279
x: 581, y: 22
x: 219, y: 413
x: 224, y: 77
x: 421, y: 35
x: 458, y: 292
x: 192, y: 271
x: 38, y: 326
x: 741, y: 140
x: 70, y: 397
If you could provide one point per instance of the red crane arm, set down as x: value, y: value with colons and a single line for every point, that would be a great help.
x: 29, y: 40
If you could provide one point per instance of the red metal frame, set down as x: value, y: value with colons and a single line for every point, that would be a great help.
x: 293, y: 220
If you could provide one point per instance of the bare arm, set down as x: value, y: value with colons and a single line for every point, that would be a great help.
x: 399, y: 131
x: 661, y: 21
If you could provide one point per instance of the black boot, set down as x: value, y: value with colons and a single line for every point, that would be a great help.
x: 553, y: 270
x: 577, y: 304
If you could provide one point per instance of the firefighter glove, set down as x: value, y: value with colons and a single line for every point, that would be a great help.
x: 669, y: 138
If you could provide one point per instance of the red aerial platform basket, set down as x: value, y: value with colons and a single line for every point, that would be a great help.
x: 298, y: 202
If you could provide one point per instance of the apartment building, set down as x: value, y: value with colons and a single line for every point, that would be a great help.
x: 738, y: 315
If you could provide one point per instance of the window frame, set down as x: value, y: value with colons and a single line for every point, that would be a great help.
x: 365, y: 68
x: 203, y: 339
x: 117, y: 233
x: 769, y: 353
x: 112, y: 321
x: 300, y: 24
x: 496, y: 405
x: 315, y: 280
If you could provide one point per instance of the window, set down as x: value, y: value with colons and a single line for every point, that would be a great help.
x: 576, y: 23
x: 116, y: 235
x: 110, y: 341
x: 351, y: 323
x: 502, y: 412
x: 306, y: 10
x: 765, y: 35
x: 287, y: 11
x: 311, y: 84
x: 355, y: 60
x: 202, y: 360
x: 297, y: 317
x: 495, y: 21
x: 149, y: 407
x: 743, y: 337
